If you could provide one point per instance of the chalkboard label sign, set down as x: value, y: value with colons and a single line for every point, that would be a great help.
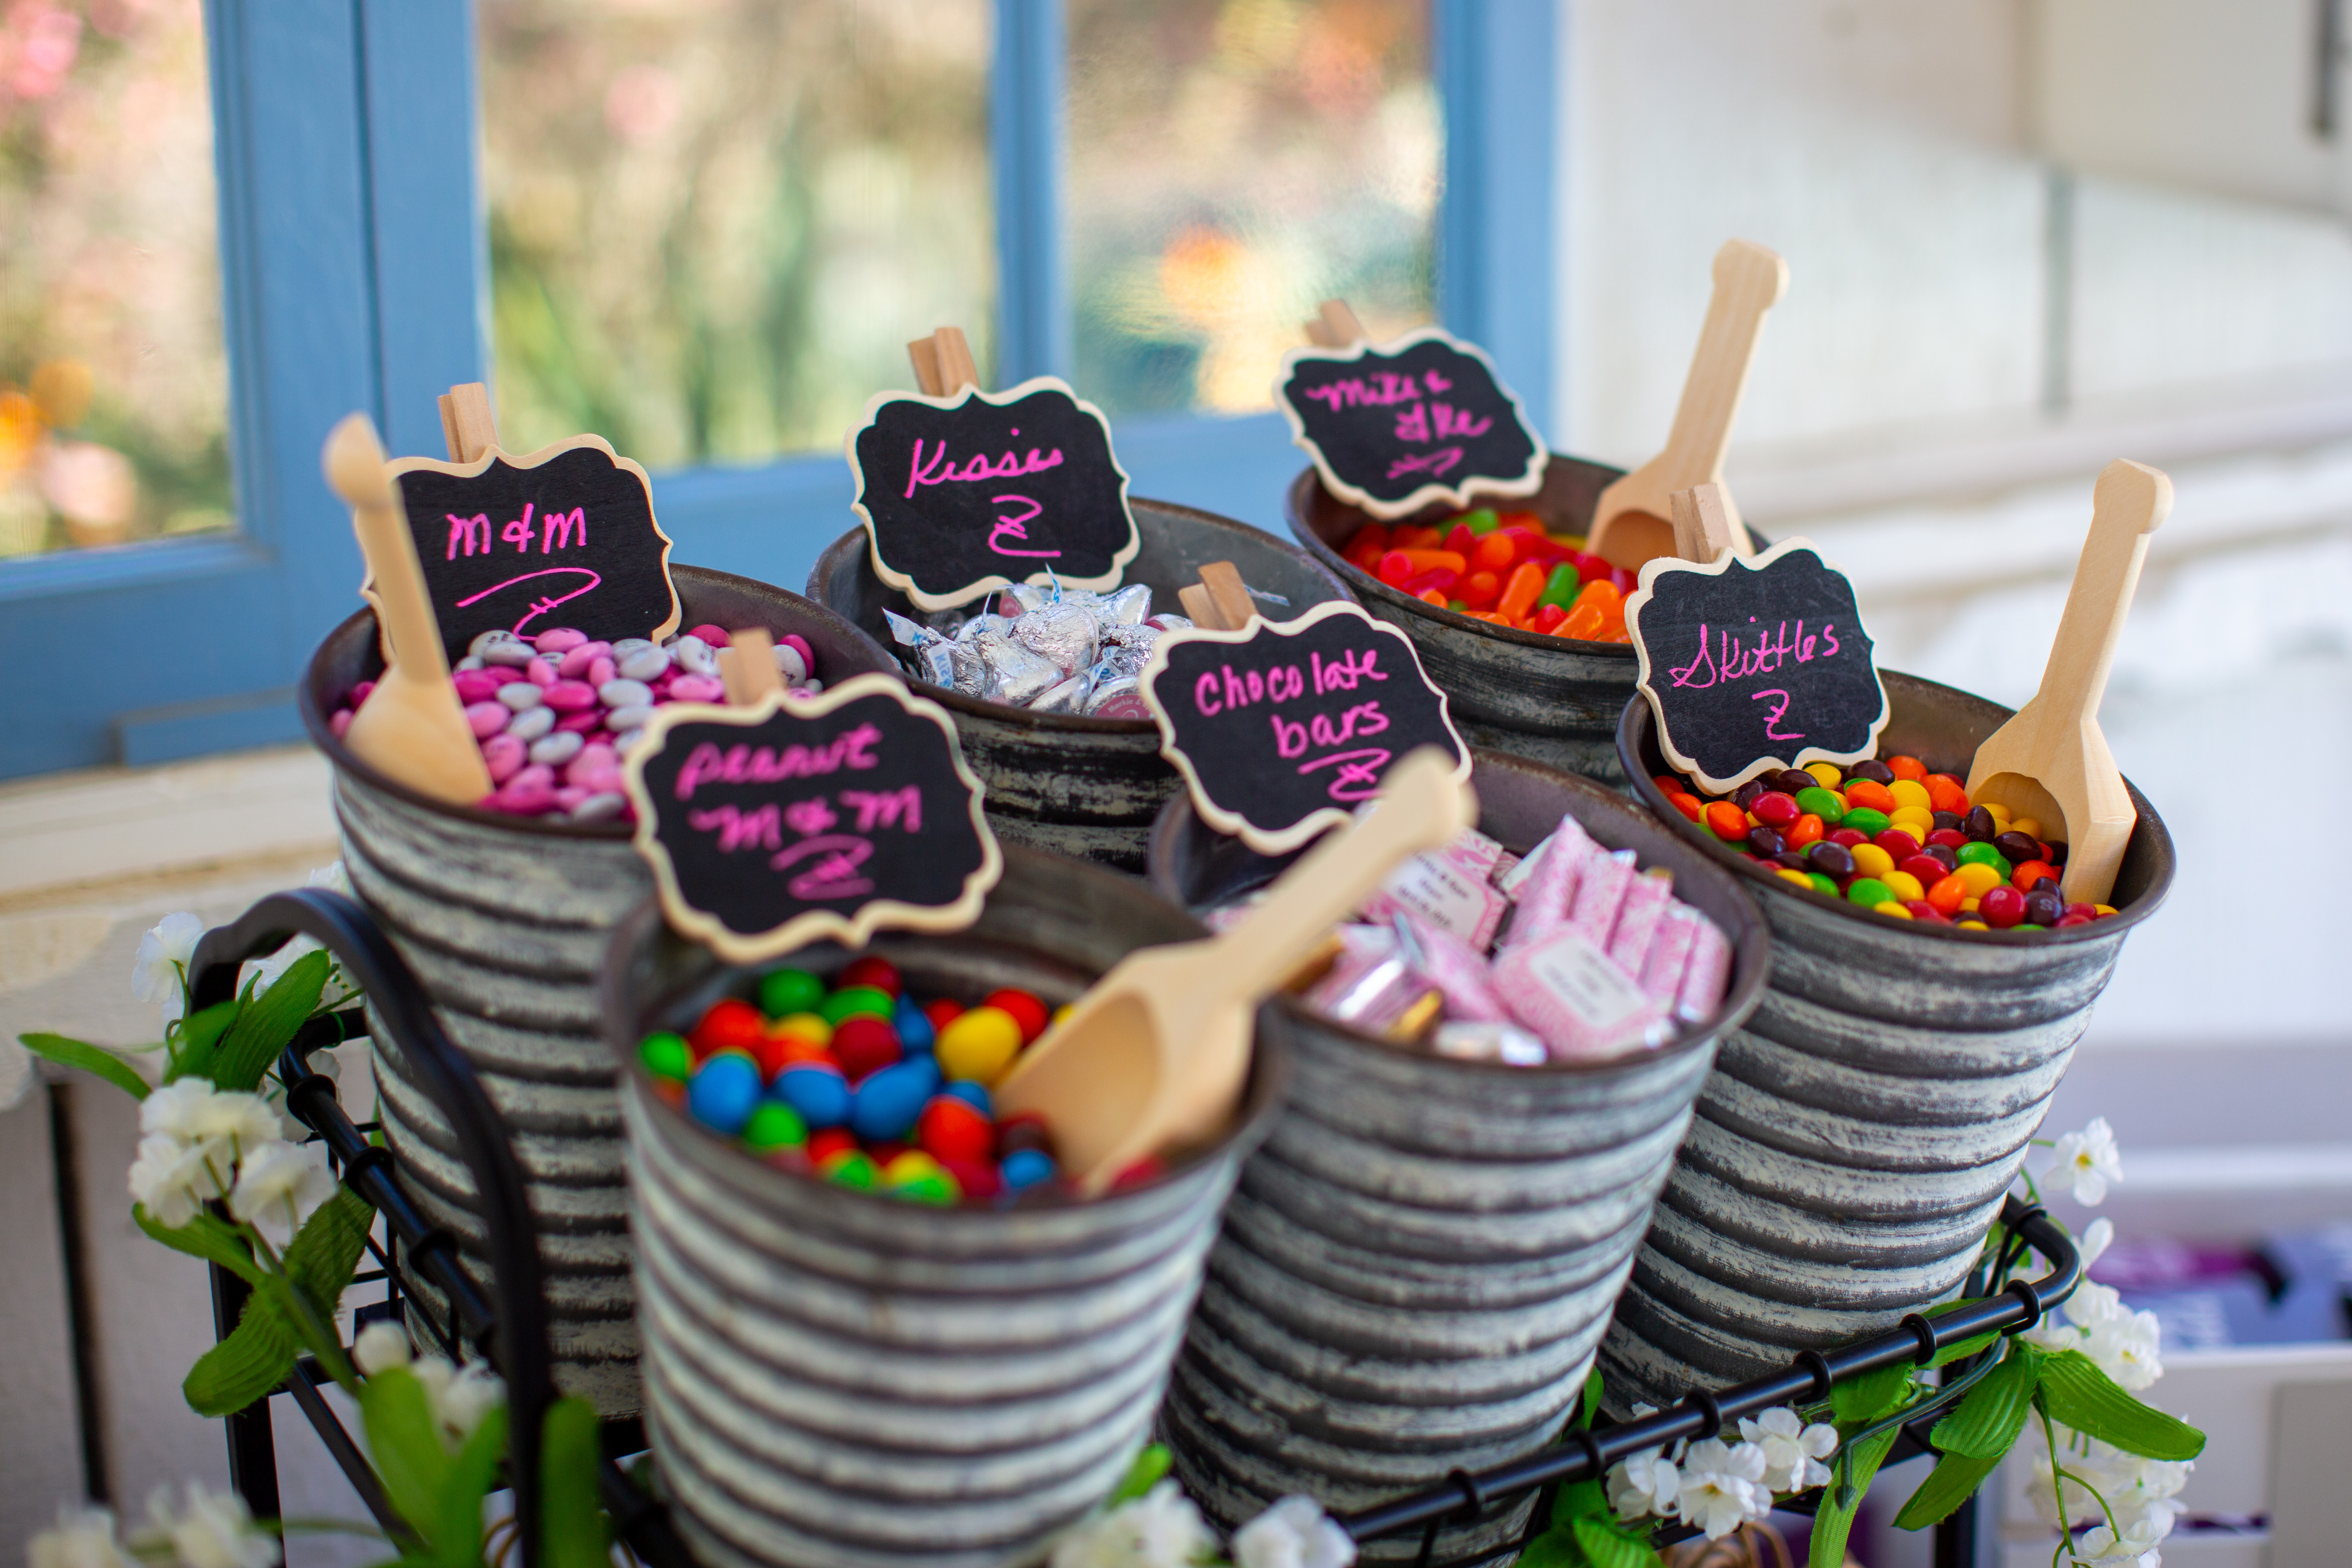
x: 964, y: 495
x: 797, y: 819
x: 1420, y: 420
x: 564, y: 537
x: 1755, y: 665
x: 1282, y: 729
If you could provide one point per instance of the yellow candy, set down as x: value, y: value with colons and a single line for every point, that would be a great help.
x: 1977, y: 878
x: 1829, y: 775
x: 1914, y: 822
x: 2000, y: 814
x: 1909, y: 792
x: 908, y: 1166
x: 1907, y: 887
x: 803, y: 1026
x: 2027, y: 826
x: 979, y: 1045
x: 2105, y: 908
x: 1869, y: 860
x: 1969, y: 906
x: 1065, y: 1010
x: 1972, y: 926
x: 1797, y: 877
x: 1891, y: 907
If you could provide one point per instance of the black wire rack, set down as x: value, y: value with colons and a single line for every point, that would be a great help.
x: 504, y: 1319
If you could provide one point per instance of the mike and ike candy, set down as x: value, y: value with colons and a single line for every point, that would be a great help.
x: 1502, y: 568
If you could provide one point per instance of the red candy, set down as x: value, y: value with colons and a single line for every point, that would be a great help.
x: 830, y: 1141
x: 2001, y: 907
x: 1775, y: 809
x: 879, y: 973
x: 952, y: 1129
x: 1848, y: 837
x: 943, y: 1012
x: 975, y: 1178
x: 1897, y: 843
x: 1027, y: 1012
x: 863, y: 1043
x: 732, y: 1024
x: 1927, y: 868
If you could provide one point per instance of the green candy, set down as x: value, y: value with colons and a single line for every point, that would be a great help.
x: 1984, y: 854
x: 853, y: 1169
x: 1866, y: 821
x: 1869, y: 892
x: 783, y: 992
x: 1826, y: 886
x: 667, y: 1055
x: 1482, y: 521
x: 935, y: 1187
x: 1823, y: 803
x: 775, y: 1125
x: 1561, y: 587
x: 1457, y: 605
x: 855, y: 999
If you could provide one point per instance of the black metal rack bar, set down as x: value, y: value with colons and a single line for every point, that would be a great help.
x: 507, y: 1322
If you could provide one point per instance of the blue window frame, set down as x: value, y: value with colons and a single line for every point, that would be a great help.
x: 354, y: 273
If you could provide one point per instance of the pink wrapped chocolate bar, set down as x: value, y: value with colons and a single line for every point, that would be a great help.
x: 1546, y: 893
x: 1670, y: 950
x: 1646, y: 898
x: 1584, y: 1007
x: 1706, y: 975
x: 1457, y: 970
x: 1504, y: 1042
x: 1447, y: 888
x: 1600, y: 894
x: 1369, y: 984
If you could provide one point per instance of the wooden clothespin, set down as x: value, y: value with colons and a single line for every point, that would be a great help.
x: 1220, y: 601
x: 944, y: 362
x: 748, y: 667
x: 1702, y: 524
x: 467, y: 421
x: 1334, y: 326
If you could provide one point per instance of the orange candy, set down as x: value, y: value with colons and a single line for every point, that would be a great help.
x: 1727, y: 822
x: 1583, y: 623
x: 1480, y: 589
x: 1907, y: 768
x: 1496, y: 552
x: 1690, y: 805
x: 1945, y: 794
x: 1863, y: 792
x: 2031, y: 872
x: 1946, y: 896
x: 1433, y: 560
x: 1430, y: 596
x: 1416, y: 539
x: 1527, y: 581
x: 1806, y: 829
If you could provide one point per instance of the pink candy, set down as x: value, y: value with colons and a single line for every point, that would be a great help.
x: 486, y: 719
x: 697, y: 689
x: 540, y: 674
x: 716, y: 636
x: 504, y: 755
x: 583, y: 722
x: 571, y: 696
x: 476, y: 685
x: 573, y: 664
x: 562, y: 639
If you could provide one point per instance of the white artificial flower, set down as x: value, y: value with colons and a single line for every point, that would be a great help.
x: 1793, y: 1451
x: 278, y: 1186
x: 333, y: 877
x: 1644, y: 1484
x: 82, y: 1538
x: 2086, y: 1164
x: 2093, y: 1304
x: 468, y: 1398
x: 172, y: 1180
x: 2097, y: 1238
x: 214, y: 1530
x: 1294, y: 1534
x: 1722, y: 1487
x: 2141, y: 1491
x: 2125, y: 1346
x: 1161, y: 1529
x: 160, y: 973
x: 380, y: 1346
x: 227, y: 1124
x: 2100, y: 1548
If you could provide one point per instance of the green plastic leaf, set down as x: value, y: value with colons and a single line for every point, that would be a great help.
x: 1607, y: 1546
x: 457, y: 1532
x: 407, y: 1446
x: 208, y: 1237
x: 196, y: 1039
x: 1555, y: 1548
x: 1952, y: 1482
x: 1592, y: 1392
x: 572, y: 1526
x: 1965, y: 1348
x: 2075, y: 1391
x: 1856, y: 1467
x: 1580, y: 1500
x: 265, y: 1024
x: 325, y: 1253
x: 1872, y: 1394
x: 246, y: 1366
x: 1986, y: 1423
x: 90, y: 1058
x: 1142, y: 1476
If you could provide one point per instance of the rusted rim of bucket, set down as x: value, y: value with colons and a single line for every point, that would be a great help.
x: 833, y: 639
x: 1637, y: 749
x: 625, y: 1023
x: 1612, y: 820
x: 854, y: 543
x: 1301, y: 502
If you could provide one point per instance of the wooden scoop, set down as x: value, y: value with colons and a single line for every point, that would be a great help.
x: 944, y: 362
x: 1630, y: 522
x: 1154, y: 1056
x: 1221, y: 601
x: 412, y: 727
x: 1334, y: 326
x: 748, y: 667
x: 2050, y: 761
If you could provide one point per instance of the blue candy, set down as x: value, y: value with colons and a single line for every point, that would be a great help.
x: 724, y: 1092
x: 972, y: 1094
x: 1025, y: 1167
x: 884, y: 1106
x: 915, y: 1031
x: 817, y: 1090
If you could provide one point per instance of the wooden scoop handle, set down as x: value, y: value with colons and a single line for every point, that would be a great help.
x: 2130, y: 503
x: 356, y: 468
x: 1421, y: 807
x: 1748, y: 281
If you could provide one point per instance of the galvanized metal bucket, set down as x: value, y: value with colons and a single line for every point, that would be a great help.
x: 1086, y: 788
x: 1546, y: 698
x: 837, y: 1379
x: 1416, y: 1268
x: 506, y: 920
x: 1853, y: 1143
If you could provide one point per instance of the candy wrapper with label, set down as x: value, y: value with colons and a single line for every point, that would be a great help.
x: 1573, y: 953
x: 1050, y: 650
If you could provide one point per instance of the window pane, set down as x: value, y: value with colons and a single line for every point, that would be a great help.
x: 715, y: 224
x: 113, y: 381
x: 1232, y: 163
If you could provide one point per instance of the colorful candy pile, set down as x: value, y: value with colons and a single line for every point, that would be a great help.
x: 1049, y: 650
x: 1573, y: 954
x: 1898, y: 840
x: 1502, y: 568
x: 552, y: 713
x: 863, y: 1086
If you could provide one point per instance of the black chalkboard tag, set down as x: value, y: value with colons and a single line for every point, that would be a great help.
x: 1401, y: 425
x: 962, y: 496
x: 1755, y: 663
x: 564, y: 537
x: 1281, y: 729
x: 797, y: 819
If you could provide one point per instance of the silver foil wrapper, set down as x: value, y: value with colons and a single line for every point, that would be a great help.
x: 1064, y: 632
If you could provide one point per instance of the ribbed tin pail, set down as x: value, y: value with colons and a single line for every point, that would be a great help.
x: 505, y: 920
x: 1084, y: 787
x: 838, y: 1379
x: 1417, y: 1267
x: 1546, y: 698
x: 1853, y: 1143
